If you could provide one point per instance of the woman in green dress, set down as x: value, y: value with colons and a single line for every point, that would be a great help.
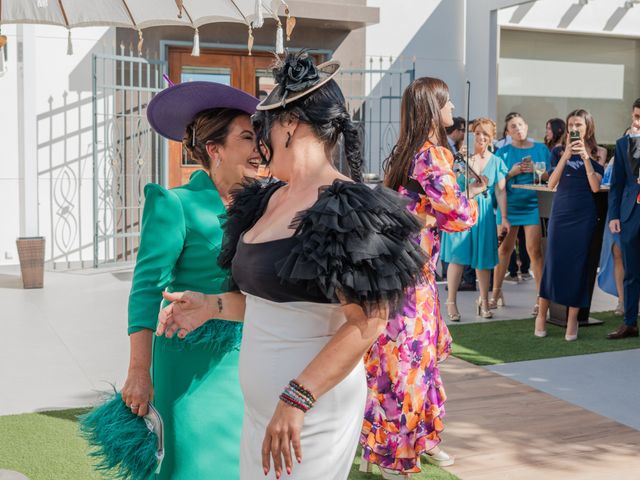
x: 193, y: 383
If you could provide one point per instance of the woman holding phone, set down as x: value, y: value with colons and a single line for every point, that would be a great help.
x: 520, y: 157
x: 576, y: 174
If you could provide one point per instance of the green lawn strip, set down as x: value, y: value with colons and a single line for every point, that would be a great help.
x: 429, y: 472
x: 508, y: 341
x: 47, y: 446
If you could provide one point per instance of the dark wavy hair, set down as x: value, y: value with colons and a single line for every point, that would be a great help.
x: 559, y: 128
x: 420, y: 115
x: 324, y: 110
x: 208, y: 126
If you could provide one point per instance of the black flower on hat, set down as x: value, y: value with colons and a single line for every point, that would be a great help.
x: 296, y: 74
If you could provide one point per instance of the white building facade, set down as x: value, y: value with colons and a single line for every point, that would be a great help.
x: 542, y: 58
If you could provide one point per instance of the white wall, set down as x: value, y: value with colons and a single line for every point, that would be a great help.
x: 62, y: 90
x: 9, y: 153
x: 453, y: 40
x: 432, y: 31
x: 570, y: 71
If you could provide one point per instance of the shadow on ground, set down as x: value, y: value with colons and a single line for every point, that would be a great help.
x: 10, y: 281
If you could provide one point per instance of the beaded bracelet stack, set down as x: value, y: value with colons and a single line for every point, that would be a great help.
x: 295, y: 395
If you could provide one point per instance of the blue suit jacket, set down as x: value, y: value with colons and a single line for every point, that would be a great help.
x: 624, y: 185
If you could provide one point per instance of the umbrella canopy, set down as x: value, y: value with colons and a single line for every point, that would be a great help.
x: 140, y: 14
x: 137, y: 14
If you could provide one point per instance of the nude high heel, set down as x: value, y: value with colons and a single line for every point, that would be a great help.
x: 438, y: 457
x: 454, y: 317
x: 483, y: 311
x: 540, y: 333
x: 366, y: 467
x: 393, y: 475
x: 496, y: 300
x: 572, y: 338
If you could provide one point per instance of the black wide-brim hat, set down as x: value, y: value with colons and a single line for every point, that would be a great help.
x: 279, y: 96
x: 172, y: 110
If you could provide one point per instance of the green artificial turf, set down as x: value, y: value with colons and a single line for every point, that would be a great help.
x: 429, y: 472
x: 508, y: 341
x: 46, y: 446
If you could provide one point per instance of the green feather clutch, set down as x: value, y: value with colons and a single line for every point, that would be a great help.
x: 123, y: 444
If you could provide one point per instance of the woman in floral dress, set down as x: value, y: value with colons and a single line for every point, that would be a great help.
x: 405, y: 403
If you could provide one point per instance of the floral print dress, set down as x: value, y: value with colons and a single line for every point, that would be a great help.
x: 405, y: 402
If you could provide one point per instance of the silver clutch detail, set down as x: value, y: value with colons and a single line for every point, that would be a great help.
x: 154, y: 423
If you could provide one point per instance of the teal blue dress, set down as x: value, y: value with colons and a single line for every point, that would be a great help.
x: 478, y: 246
x: 196, y: 386
x: 522, y: 205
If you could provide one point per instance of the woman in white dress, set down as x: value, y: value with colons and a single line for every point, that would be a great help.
x: 320, y: 260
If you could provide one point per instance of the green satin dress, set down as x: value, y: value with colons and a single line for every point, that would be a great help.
x: 196, y: 379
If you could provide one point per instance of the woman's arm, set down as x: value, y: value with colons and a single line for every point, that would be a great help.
x: 344, y: 350
x: 501, y: 194
x: 138, y: 388
x: 515, y: 170
x: 161, y: 242
x: 556, y: 175
x: 190, y: 310
x: 593, y: 177
x: 334, y: 362
x: 450, y: 207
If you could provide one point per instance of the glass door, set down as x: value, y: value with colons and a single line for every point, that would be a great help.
x: 248, y: 73
x: 230, y: 67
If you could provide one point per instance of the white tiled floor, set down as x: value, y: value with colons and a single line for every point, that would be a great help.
x: 61, y: 345
x: 519, y: 298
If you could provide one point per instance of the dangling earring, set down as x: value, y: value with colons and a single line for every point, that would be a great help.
x: 286, y: 145
x: 218, y: 163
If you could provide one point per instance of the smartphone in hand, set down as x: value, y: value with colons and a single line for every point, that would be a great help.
x: 574, y: 135
x: 527, y: 164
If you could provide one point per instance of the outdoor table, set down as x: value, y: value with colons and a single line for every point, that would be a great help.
x: 558, y: 313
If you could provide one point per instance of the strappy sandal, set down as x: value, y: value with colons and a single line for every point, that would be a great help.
x: 496, y: 300
x: 454, y: 317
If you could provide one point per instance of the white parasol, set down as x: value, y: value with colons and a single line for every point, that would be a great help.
x: 141, y: 14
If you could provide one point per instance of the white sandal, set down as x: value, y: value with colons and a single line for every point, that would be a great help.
x: 440, y: 458
x: 365, y: 467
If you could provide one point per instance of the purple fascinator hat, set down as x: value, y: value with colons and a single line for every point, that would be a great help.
x: 175, y: 107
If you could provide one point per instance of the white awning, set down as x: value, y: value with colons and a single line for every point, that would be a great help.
x: 603, y: 17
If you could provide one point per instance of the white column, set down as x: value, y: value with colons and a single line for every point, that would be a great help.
x: 482, y: 53
x: 27, y: 137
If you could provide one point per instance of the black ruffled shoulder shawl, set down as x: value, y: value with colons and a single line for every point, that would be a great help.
x: 355, y: 241
x: 247, y: 206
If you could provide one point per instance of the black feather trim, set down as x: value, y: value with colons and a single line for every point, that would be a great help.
x: 247, y: 206
x: 358, y: 242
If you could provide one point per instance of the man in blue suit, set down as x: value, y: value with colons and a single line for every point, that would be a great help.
x: 624, y: 213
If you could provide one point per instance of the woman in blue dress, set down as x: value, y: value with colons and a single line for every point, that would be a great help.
x: 520, y: 157
x: 478, y: 247
x: 577, y: 176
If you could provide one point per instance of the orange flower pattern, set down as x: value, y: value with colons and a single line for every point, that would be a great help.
x: 405, y: 402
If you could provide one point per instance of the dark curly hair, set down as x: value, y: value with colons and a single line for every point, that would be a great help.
x: 324, y: 110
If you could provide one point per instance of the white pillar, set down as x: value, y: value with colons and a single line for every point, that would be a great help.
x: 482, y: 53
x: 27, y: 137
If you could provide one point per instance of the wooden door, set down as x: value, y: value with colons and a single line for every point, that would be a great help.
x: 249, y: 73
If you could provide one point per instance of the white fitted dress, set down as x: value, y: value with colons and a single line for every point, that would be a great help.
x: 353, y: 240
